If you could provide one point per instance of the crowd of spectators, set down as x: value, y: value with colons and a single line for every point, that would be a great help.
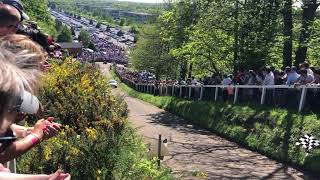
x: 22, y: 64
x: 275, y: 96
x: 266, y: 76
x: 105, y: 51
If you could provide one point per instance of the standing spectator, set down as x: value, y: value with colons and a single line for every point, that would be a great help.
x: 268, y: 76
x: 216, y: 80
x: 11, y: 16
x: 226, y: 80
x: 279, y: 98
x: 9, y: 19
x: 292, y: 76
x: 240, y: 77
x: 306, y: 66
x: 304, y: 78
x: 268, y: 81
x: 252, y: 80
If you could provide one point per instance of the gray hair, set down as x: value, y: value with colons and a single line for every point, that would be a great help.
x: 18, y: 72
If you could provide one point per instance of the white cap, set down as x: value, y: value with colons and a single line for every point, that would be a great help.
x: 30, y: 103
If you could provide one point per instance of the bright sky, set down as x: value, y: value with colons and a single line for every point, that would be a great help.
x: 145, y: 1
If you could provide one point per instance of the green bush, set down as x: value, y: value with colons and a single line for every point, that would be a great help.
x: 96, y: 141
x: 272, y: 132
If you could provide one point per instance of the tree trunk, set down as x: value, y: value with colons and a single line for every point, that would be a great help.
x: 183, y: 70
x: 308, y: 15
x: 236, y: 39
x: 190, y: 71
x: 287, y: 33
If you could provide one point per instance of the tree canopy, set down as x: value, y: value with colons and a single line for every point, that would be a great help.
x: 84, y: 37
x: 65, y: 35
x: 202, y: 37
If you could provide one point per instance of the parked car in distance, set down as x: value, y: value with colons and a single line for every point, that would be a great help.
x: 113, y: 83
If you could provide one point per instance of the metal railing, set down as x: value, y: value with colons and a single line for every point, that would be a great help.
x: 12, y: 166
x: 278, y: 95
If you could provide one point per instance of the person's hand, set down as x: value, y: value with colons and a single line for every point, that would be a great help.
x: 3, y: 169
x: 45, y: 66
x: 59, y: 175
x: 46, y: 128
x: 51, y: 129
x: 39, y: 127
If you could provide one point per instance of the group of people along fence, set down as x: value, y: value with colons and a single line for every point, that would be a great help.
x: 292, y: 88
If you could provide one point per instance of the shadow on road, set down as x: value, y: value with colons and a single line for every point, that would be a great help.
x: 198, y: 149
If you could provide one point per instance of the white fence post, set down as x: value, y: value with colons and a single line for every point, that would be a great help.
x: 188, y: 89
x: 201, y: 93
x: 216, y: 94
x: 12, y: 166
x: 263, y: 95
x: 236, y: 95
x: 302, y: 98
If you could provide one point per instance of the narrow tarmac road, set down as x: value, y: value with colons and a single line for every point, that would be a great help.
x: 196, y: 153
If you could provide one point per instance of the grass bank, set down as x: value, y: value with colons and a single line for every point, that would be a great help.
x: 270, y: 131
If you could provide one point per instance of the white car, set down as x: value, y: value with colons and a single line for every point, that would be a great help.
x: 113, y: 83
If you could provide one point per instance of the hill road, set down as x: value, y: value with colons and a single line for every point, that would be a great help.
x: 198, y: 154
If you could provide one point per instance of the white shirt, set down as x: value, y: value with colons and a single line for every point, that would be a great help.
x: 194, y: 82
x: 269, y: 79
x: 310, y: 72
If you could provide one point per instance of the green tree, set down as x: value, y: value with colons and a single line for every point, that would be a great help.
x: 38, y: 11
x: 134, y: 29
x: 209, y: 51
x: 58, y: 25
x: 122, y: 22
x: 84, y: 37
x: 92, y: 46
x: 309, y: 8
x: 176, y: 26
x: 287, y: 33
x: 65, y: 35
x: 98, y: 25
x: 151, y: 54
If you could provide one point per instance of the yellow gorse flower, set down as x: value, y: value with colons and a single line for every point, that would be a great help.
x: 91, y: 133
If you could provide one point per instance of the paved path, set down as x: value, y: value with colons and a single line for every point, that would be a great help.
x: 195, y: 152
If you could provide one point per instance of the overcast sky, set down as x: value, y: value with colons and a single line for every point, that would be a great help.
x: 144, y: 1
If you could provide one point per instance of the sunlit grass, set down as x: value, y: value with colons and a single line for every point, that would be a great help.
x: 270, y: 131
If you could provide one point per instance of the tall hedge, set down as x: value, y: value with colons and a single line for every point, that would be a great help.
x: 96, y: 141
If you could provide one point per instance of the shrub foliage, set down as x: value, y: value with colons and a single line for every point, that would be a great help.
x: 96, y: 142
